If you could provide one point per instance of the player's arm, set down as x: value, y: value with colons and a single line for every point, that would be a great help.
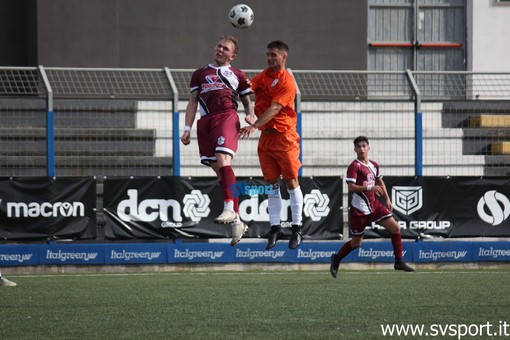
x: 384, y: 193
x: 191, y: 111
x: 377, y: 189
x: 265, y: 117
x: 250, y: 116
x: 353, y: 187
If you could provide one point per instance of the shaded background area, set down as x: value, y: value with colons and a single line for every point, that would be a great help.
x: 323, y: 34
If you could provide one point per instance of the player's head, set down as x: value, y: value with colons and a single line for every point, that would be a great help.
x: 361, y: 147
x: 360, y: 139
x: 277, y: 53
x: 280, y: 45
x: 225, y: 50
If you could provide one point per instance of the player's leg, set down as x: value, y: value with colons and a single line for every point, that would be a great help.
x: 223, y: 134
x: 227, y: 179
x: 358, y: 222
x: 230, y: 212
x: 271, y: 172
x: 274, y: 207
x: 5, y: 282
x: 286, y: 151
x: 296, y: 208
x: 396, y: 241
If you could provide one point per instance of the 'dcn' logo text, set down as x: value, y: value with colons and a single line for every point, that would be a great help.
x: 196, y: 207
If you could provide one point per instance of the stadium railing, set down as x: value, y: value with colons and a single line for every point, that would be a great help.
x: 84, y: 121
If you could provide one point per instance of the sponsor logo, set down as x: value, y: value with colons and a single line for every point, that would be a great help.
x: 259, y: 254
x: 44, y: 209
x: 213, y: 83
x: 314, y: 254
x: 417, y: 225
x: 196, y: 206
x: 407, y: 200
x: 20, y: 258
x: 315, y: 206
x: 197, y: 254
x: 494, y: 253
x: 65, y: 256
x: 493, y: 207
x: 375, y: 254
x: 243, y: 188
x: 439, y: 255
x: 130, y: 255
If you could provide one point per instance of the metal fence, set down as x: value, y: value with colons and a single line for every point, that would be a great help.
x: 107, y: 122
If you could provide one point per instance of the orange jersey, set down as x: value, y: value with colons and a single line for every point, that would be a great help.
x: 276, y: 87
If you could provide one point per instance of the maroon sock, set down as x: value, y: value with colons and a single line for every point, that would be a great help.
x: 345, y: 250
x: 228, y: 178
x: 396, y: 242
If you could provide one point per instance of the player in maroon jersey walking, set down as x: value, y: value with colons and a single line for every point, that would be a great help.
x: 365, y: 185
x: 215, y: 89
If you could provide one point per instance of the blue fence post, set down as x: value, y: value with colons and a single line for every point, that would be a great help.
x: 299, y: 125
x: 418, y: 135
x: 50, y: 125
x: 176, y: 147
x: 418, y: 126
x: 299, y: 131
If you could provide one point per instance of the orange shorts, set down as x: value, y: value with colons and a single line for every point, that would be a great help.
x: 279, y: 154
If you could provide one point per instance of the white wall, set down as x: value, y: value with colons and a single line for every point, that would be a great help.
x: 488, y: 25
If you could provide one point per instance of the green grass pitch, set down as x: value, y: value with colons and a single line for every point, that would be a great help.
x: 249, y: 305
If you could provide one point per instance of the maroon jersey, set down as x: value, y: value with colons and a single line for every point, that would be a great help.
x: 219, y: 88
x: 363, y: 174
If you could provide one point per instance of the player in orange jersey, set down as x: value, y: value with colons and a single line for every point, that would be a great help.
x: 275, y: 91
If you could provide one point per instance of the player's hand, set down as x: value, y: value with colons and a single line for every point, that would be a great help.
x: 378, y: 190
x: 250, y: 119
x: 186, y: 137
x: 246, y: 131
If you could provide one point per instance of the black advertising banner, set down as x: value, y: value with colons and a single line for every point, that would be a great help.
x: 449, y: 206
x: 178, y: 207
x: 34, y: 208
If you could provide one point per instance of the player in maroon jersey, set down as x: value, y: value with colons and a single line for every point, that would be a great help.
x: 365, y: 186
x: 215, y: 89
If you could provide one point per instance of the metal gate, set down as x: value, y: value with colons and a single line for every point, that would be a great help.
x: 420, y: 35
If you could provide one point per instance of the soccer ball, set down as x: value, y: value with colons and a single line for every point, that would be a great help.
x: 241, y: 16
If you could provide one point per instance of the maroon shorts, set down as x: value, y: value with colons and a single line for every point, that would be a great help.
x: 217, y: 133
x: 359, y: 221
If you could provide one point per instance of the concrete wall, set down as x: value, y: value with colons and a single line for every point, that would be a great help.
x: 17, y: 32
x: 488, y: 40
x: 322, y: 34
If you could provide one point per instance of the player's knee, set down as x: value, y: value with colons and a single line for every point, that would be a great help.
x: 356, y: 242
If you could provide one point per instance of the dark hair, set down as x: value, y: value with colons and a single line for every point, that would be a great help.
x: 361, y: 139
x: 280, y: 45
